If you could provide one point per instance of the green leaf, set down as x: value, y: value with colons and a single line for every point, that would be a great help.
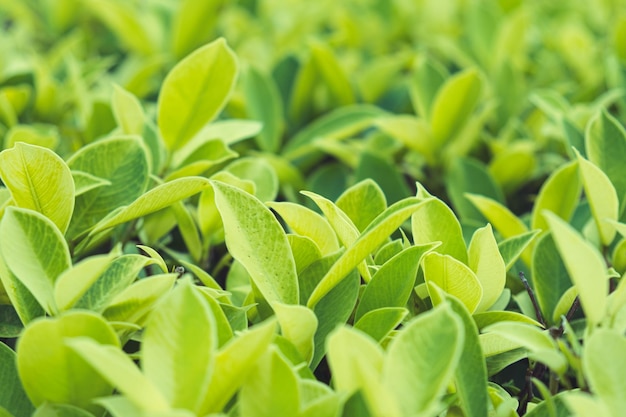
x: 271, y: 390
x: 26, y: 305
x: 411, y: 131
x: 585, y: 266
x: 97, y: 294
x: 422, y: 359
x: 158, y: 198
x: 549, y: 275
x: 486, y: 318
x: 304, y: 250
x: 119, y: 370
x: 177, y: 358
x: 298, y: 324
x: 263, y: 103
x: 514, y: 246
x: 356, y: 362
x: 467, y: 175
x: 371, y: 238
x: 35, y: 251
x: 12, y: 396
x: 86, y: 182
x: 583, y: 404
x: 134, y: 303
x: 392, y: 284
x: 39, y: 180
x: 58, y: 410
x: 435, y: 222
x: 362, y: 202
x: 188, y: 229
x: 602, y: 198
x: 333, y: 74
x: 195, y: 91
x: 380, y: 322
x: 76, y: 280
x: 305, y: 222
x: 487, y: 263
x: 453, y: 104
x: 453, y: 277
x: 122, y: 161
x: 560, y: 194
x: 193, y: 24
x: 256, y: 239
x: 340, y: 123
x: 335, y: 308
x: 50, y: 371
x: 233, y: 364
x: 426, y: 80
x: 604, y: 368
x: 260, y: 172
x: 127, y: 111
x: 384, y: 171
x: 605, y: 143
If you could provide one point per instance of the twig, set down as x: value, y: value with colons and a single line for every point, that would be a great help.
x: 533, y: 299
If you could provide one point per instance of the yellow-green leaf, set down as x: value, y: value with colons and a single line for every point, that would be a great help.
x: 39, y: 180
x: 487, y: 263
x: 559, y: 194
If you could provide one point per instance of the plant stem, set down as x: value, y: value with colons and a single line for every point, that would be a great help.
x: 533, y: 299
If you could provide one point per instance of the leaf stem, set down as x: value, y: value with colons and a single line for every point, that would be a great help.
x: 533, y: 299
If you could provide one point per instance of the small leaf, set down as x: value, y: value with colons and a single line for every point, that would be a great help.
x: 260, y: 172
x: 585, y: 266
x: 256, y: 239
x: 435, y: 222
x: 453, y: 277
x: 559, y: 194
x: 127, y: 111
x: 485, y: 260
x: 305, y: 222
x: 392, y: 284
x: 39, y: 180
x: 298, y: 325
x: 453, y: 104
x: 362, y: 202
x: 50, y: 371
x: 263, y: 103
x: 177, y: 358
x: 371, y: 238
x: 35, y: 251
x: 380, y: 322
x: 26, y: 305
x: 12, y: 396
x: 421, y: 360
x: 195, y: 91
x: 75, y: 281
x: 86, y: 182
x: 602, y: 198
x: 332, y: 73
x: 514, y: 246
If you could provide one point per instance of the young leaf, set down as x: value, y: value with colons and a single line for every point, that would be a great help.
x: 602, y: 198
x: 298, y: 325
x: 356, y: 362
x: 372, y: 237
x: 75, y: 281
x: 195, y: 91
x: 514, y: 246
x: 119, y: 370
x: 26, y: 305
x: 127, y: 111
x: 263, y: 103
x: 585, y: 266
x: 453, y: 277
x: 605, y: 143
x: 177, y: 358
x: 453, y: 104
x: 333, y: 74
x: 380, y: 322
x: 421, y: 360
x: 86, y: 182
x: 271, y: 390
x: 485, y: 260
x: 362, y: 202
x: 233, y: 364
x: 604, y: 369
x: 549, y: 275
x: 306, y: 222
x: 435, y: 222
x: 192, y: 24
x: 50, y: 371
x: 392, y: 284
x: 156, y: 199
x: 559, y: 194
x: 39, y: 180
x: 35, y: 251
x: 256, y: 239
x: 260, y: 172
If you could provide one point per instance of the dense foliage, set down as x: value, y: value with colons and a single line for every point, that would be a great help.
x: 317, y: 209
